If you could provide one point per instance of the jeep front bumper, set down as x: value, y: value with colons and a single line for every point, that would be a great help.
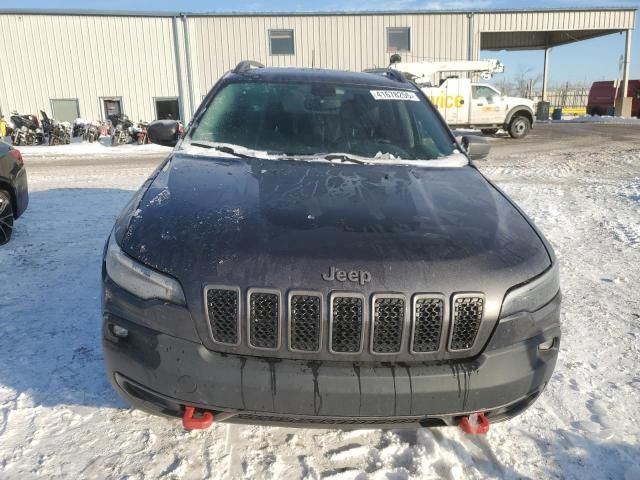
x: 162, y: 373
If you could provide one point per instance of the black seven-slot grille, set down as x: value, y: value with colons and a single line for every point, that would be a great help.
x: 388, y: 324
x: 305, y: 322
x: 264, y: 320
x: 467, y: 315
x: 222, y: 310
x: 347, y: 315
x: 427, y: 324
x: 390, y: 316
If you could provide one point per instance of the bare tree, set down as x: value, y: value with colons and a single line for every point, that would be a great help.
x: 525, y: 81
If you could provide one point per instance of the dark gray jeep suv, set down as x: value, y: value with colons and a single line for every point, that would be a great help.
x: 319, y: 250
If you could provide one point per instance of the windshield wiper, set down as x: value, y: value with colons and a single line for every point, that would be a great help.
x: 221, y: 148
x: 343, y: 158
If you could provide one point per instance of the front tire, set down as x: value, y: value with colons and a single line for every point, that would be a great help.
x: 6, y: 217
x: 519, y: 127
x: 114, y: 140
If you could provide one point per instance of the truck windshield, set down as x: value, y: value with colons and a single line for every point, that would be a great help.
x: 304, y: 119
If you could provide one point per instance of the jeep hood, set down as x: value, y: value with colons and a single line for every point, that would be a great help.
x: 282, y: 224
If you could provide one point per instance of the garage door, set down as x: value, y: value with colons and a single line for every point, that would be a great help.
x: 65, y: 109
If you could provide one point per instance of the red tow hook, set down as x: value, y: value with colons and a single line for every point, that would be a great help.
x: 196, y: 423
x: 475, y: 424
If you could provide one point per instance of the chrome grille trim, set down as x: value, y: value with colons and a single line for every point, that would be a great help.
x: 402, y: 322
x: 444, y: 322
x: 363, y: 316
x: 238, y: 312
x: 457, y: 300
x: 278, y: 320
x: 290, y: 319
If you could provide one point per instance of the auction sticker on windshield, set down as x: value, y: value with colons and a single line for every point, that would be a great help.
x: 394, y: 95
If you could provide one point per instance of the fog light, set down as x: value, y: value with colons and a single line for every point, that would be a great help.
x: 548, y: 345
x: 119, y: 331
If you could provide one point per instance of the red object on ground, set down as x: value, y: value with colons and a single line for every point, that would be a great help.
x: 475, y: 424
x: 196, y: 423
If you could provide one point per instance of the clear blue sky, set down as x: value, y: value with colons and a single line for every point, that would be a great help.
x: 586, y: 61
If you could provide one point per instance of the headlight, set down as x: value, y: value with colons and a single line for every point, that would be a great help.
x: 138, y: 279
x: 533, y: 295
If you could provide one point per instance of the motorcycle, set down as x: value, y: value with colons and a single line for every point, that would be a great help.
x: 121, y: 129
x: 104, y: 128
x: 79, y: 128
x: 139, y: 133
x: 60, y: 133
x: 57, y: 133
x: 26, y: 130
x: 91, y: 132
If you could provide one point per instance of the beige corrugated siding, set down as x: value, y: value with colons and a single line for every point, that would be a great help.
x: 345, y: 42
x: 92, y: 56
x: 86, y: 57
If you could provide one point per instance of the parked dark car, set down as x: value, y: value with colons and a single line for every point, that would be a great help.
x: 318, y: 250
x: 14, y: 194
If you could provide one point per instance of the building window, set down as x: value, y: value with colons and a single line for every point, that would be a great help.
x: 65, y: 109
x: 112, y: 106
x: 398, y: 39
x: 167, y: 109
x: 281, y: 42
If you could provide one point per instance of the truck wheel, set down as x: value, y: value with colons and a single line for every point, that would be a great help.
x: 519, y: 127
x: 6, y: 217
x: 489, y: 131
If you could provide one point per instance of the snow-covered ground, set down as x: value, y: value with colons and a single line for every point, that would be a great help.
x: 59, y: 417
x: 96, y: 149
x: 600, y: 119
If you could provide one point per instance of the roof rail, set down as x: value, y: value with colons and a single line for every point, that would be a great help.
x: 246, y: 65
x: 389, y: 73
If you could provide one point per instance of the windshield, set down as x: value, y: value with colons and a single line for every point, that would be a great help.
x: 300, y: 119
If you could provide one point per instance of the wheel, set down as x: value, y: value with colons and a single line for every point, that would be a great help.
x: 519, y: 127
x: 16, y: 141
x: 6, y: 217
x: 596, y: 111
x: 140, y: 140
x: 114, y: 140
x: 489, y: 131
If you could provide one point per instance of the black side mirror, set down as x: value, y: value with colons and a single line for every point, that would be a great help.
x: 164, y: 132
x: 477, y: 147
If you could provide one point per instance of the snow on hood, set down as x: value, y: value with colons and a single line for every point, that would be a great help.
x: 456, y: 159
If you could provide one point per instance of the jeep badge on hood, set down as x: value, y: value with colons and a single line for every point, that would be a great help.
x: 360, y: 276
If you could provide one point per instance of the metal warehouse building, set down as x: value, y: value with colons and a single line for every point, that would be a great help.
x: 150, y: 65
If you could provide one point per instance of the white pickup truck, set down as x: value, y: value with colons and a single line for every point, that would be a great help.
x: 476, y: 105
x: 465, y: 104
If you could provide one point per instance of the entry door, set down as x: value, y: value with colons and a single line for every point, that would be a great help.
x: 485, y: 105
x: 112, y: 106
x: 65, y: 109
x: 167, y: 109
